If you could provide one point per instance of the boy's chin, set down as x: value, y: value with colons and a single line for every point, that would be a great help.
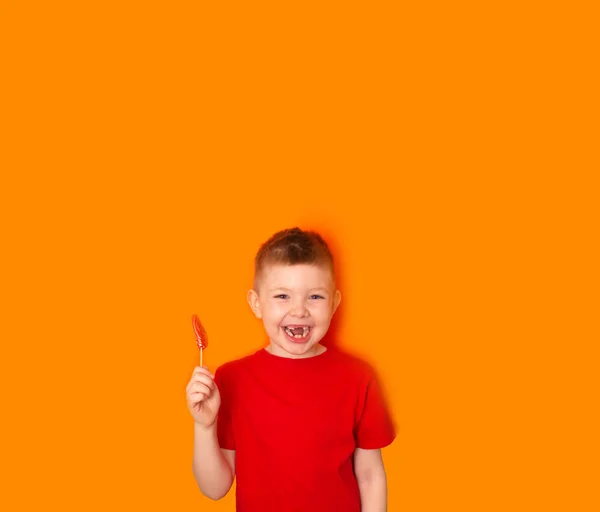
x: 298, y: 348
x: 295, y: 348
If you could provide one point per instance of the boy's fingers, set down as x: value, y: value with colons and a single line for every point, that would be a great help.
x: 202, y: 370
x: 201, y: 377
x: 200, y: 387
x: 204, y: 379
x: 197, y: 397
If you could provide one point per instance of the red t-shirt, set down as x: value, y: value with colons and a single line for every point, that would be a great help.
x: 294, y: 424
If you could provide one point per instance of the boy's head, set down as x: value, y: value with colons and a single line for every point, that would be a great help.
x: 294, y: 291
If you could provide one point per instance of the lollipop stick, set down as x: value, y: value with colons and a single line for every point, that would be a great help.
x: 200, y: 356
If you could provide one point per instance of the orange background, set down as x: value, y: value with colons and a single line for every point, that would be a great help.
x: 445, y: 150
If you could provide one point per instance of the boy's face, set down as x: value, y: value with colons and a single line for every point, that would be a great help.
x: 296, y: 304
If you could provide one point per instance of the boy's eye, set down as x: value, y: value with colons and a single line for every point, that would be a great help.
x: 317, y: 297
x: 281, y: 296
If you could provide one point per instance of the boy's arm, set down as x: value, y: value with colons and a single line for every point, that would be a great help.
x: 371, y: 478
x: 213, y: 467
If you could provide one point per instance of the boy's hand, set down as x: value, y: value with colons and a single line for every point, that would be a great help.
x: 203, y: 398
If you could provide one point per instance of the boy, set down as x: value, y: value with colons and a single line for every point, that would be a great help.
x: 300, y: 425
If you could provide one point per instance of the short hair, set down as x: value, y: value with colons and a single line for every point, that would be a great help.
x: 293, y: 246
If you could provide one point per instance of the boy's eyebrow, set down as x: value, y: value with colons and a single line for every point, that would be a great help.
x: 288, y: 290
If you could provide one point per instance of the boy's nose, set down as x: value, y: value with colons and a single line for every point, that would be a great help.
x: 299, y: 310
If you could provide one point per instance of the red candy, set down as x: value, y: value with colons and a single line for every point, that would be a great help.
x: 201, y: 337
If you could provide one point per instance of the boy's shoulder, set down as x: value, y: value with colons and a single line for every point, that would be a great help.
x: 234, y: 365
x: 348, y: 358
x: 352, y: 363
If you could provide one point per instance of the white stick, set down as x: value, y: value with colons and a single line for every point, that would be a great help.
x: 200, y: 356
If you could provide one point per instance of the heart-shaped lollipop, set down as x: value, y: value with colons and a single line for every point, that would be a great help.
x: 200, y: 333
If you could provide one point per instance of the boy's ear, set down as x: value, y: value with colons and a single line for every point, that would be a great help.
x: 254, y: 303
x: 336, y: 301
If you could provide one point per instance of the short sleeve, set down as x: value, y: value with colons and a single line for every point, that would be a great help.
x: 224, y: 425
x: 375, y: 428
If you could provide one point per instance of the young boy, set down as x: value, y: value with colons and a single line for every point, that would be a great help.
x: 300, y: 425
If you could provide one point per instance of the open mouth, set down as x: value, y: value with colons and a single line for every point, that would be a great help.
x: 297, y: 333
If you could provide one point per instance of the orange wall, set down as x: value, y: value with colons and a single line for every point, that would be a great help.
x: 150, y: 149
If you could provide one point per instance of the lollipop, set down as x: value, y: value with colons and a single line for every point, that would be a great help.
x: 201, y: 337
